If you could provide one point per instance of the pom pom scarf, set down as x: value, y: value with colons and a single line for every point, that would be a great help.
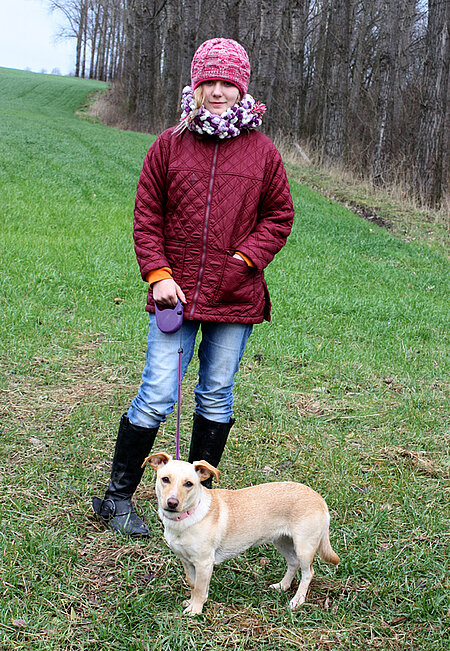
x: 246, y: 114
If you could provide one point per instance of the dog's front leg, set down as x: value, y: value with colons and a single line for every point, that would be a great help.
x: 190, y: 573
x: 203, y: 572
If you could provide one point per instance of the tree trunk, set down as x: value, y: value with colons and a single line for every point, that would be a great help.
x: 133, y: 31
x: 84, y: 21
x: 388, y: 62
x: 189, y: 27
x: 146, y: 78
x: 82, y: 10
x: 296, y: 81
x: 337, y: 57
x: 95, y: 30
x: 316, y: 70
x: 429, y: 164
x: 271, y: 16
x: 170, y: 79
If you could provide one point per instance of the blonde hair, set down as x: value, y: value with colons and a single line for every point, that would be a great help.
x: 199, y: 96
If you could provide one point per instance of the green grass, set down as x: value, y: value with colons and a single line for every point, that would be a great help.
x: 345, y: 390
x: 392, y: 207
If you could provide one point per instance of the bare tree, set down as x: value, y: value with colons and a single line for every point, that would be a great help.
x: 170, y: 63
x: 337, y: 66
x: 296, y: 56
x: 391, y: 22
x: 429, y: 164
x: 74, y: 12
x: 315, y: 70
x: 148, y: 72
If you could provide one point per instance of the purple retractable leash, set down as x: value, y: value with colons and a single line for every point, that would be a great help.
x: 170, y: 320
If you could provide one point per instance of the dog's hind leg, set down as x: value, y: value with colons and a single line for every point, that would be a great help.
x: 285, y: 546
x: 306, y: 560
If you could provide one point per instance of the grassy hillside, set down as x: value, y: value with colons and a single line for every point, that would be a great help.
x: 345, y: 390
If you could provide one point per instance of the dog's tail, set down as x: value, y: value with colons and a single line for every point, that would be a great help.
x: 326, y: 552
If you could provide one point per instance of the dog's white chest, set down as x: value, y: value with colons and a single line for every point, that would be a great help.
x: 174, y: 540
x: 185, y: 545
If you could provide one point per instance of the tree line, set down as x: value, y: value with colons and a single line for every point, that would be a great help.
x: 363, y: 82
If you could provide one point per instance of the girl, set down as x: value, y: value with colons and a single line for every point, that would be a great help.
x: 212, y: 209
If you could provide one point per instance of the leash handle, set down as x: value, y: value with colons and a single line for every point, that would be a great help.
x: 169, y: 319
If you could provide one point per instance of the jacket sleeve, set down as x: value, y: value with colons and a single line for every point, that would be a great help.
x: 148, y: 227
x: 275, y: 215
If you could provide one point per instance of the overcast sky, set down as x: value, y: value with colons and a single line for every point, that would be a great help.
x: 28, y: 37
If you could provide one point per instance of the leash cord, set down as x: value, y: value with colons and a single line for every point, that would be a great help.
x: 180, y: 356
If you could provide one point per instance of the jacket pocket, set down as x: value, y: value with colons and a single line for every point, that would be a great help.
x: 237, y: 282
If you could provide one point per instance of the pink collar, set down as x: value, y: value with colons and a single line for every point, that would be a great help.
x: 184, y: 515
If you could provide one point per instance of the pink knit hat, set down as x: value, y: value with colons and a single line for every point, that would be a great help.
x: 221, y: 58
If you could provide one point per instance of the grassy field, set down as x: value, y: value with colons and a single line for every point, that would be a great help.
x: 346, y: 390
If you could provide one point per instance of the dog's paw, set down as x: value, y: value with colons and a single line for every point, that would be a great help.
x: 279, y: 587
x: 296, y: 602
x: 193, y: 609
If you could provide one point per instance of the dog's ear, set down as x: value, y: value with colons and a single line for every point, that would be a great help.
x: 157, y: 460
x: 205, y: 470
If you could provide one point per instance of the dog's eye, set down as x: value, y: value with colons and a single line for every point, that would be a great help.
x: 165, y: 480
x: 188, y: 484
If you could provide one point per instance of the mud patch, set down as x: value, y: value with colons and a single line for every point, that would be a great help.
x: 369, y: 214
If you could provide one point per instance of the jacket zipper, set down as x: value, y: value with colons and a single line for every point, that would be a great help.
x: 205, y: 231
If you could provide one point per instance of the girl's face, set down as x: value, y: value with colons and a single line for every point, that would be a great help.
x: 219, y: 96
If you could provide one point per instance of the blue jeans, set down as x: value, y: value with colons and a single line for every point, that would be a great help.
x: 220, y: 352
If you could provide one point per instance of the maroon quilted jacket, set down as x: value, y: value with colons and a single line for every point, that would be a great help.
x: 199, y: 199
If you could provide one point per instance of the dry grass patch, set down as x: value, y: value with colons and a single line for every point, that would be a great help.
x: 306, y: 406
x: 415, y: 460
x: 85, y: 379
x: 103, y: 556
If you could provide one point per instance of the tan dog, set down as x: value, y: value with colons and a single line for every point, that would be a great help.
x: 205, y: 527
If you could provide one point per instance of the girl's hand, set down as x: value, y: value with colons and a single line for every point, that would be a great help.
x: 166, y: 293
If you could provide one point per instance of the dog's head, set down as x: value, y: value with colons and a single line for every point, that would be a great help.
x: 178, y: 483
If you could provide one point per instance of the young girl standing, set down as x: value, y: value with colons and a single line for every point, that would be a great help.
x: 212, y: 209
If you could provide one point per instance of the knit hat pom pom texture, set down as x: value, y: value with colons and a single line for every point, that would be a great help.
x: 221, y: 58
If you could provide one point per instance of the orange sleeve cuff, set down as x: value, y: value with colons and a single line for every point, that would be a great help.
x: 247, y: 260
x: 159, y: 274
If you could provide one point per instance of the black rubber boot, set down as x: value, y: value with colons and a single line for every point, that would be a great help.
x: 115, y: 510
x: 208, y: 442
